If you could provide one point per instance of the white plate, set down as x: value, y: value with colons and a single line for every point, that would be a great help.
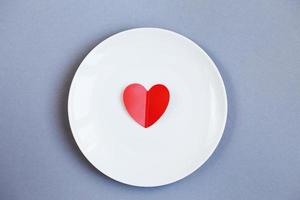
x: 181, y: 140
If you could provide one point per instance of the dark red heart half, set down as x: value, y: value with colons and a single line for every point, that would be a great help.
x: 146, y: 107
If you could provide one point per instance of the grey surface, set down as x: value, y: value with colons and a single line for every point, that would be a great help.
x: 255, y: 45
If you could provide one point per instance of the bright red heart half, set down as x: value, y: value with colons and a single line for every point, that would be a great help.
x: 146, y: 107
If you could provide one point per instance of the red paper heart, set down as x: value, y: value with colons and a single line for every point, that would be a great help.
x: 146, y: 107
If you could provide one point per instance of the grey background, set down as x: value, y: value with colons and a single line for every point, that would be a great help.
x: 255, y: 45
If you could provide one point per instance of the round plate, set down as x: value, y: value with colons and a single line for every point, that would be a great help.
x: 181, y: 140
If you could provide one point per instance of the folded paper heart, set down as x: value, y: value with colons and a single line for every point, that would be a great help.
x: 146, y: 107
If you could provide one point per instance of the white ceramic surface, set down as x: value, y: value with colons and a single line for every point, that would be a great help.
x: 181, y: 140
